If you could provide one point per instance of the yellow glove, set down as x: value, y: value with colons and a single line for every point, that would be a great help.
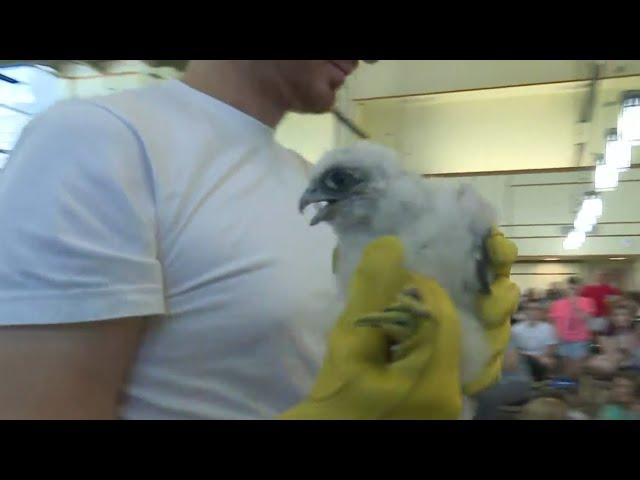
x: 495, y: 309
x: 358, y: 379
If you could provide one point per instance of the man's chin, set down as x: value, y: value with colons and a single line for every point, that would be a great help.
x: 322, y: 102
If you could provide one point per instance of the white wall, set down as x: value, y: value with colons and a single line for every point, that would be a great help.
x: 541, y: 275
x: 309, y: 135
x: 634, y: 283
x: 410, y: 77
x: 624, y: 272
x: 313, y: 135
x: 533, y: 127
x: 547, y: 199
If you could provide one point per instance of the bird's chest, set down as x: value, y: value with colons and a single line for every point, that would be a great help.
x: 425, y: 261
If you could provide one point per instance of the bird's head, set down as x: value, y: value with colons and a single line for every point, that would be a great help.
x: 347, y: 183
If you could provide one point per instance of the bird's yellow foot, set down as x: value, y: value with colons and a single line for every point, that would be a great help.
x: 400, y: 321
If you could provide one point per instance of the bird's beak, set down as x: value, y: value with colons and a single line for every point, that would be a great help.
x: 325, y: 204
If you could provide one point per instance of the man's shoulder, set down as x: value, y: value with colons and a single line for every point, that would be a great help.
x: 78, y: 110
x: 75, y: 138
x: 139, y: 103
x: 142, y: 93
x: 93, y: 103
x: 72, y: 121
x: 297, y: 159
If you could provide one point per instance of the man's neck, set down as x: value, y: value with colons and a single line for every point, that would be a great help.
x: 232, y: 82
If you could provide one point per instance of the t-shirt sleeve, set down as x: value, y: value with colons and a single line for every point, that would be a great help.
x: 77, y: 211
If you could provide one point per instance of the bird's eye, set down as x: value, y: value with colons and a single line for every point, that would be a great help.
x: 339, y: 180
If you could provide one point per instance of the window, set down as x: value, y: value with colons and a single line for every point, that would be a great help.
x: 12, y: 121
x: 25, y: 90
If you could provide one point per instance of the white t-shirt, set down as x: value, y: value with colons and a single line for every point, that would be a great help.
x: 533, y: 338
x: 165, y: 202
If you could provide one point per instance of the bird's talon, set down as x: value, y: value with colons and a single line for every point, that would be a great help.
x: 413, y: 293
x: 411, y: 310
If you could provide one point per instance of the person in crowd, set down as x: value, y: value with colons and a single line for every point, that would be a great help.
x: 634, y: 358
x: 554, y: 292
x: 545, y: 408
x: 536, y: 340
x: 603, y: 293
x: 623, y: 402
x: 571, y: 315
x: 515, y: 386
x: 617, y: 344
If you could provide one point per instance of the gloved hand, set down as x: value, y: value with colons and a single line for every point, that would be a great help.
x: 358, y: 380
x: 495, y: 309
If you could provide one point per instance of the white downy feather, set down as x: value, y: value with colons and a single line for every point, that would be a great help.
x: 440, y: 225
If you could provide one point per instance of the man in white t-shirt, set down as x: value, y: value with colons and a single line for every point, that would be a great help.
x: 153, y: 263
x: 536, y: 339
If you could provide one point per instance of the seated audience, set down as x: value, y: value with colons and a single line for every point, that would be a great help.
x: 623, y: 401
x: 602, y: 292
x: 616, y: 343
x: 536, y: 340
x: 545, y: 408
x: 514, y: 386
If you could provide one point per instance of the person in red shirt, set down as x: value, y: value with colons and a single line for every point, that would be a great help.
x: 601, y: 293
x: 571, y: 316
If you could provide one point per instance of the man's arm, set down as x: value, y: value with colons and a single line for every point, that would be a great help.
x: 68, y: 371
x: 79, y: 268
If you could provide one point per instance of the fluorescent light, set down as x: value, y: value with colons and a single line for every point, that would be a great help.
x: 574, y: 240
x: 551, y: 259
x: 592, y: 205
x: 577, y: 236
x: 606, y: 177
x: 584, y: 224
x: 617, y: 153
x: 617, y: 258
x: 590, y: 211
x: 629, y: 119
